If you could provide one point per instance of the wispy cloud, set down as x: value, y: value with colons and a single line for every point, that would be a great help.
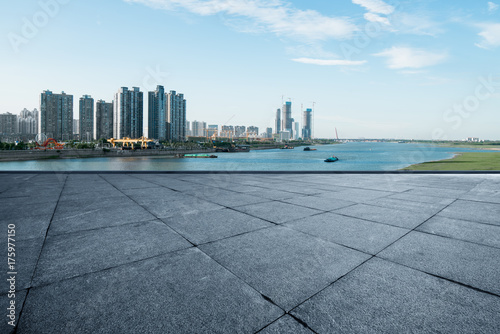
x: 377, y: 18
x: 490, y: 35
x: 375, y: 6
x: 329, y: 62
x: 405, y: 57
x: 492, y: 7
x: 276, y: 16
x: 416, y: 24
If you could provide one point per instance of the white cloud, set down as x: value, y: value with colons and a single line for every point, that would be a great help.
x: 405, y: 57
x: 276, y: 16
x: 490, y: 35
x: 416, y: 24
x: 492, y: 7
x: 377, y: 18
x: 329, y: 62
x: 375, y: 6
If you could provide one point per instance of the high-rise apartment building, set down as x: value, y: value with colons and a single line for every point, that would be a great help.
x: 86, y: 118
x: 176, y: 116
x: 55, y: 119
x: 128, y: 110
x: 253, y: 131
x: 286, y: 118
x: 307, y: 124
x: 277, y: 122
x: 27, y: 122
x: 188, y: 129
x: 296, y: 130
x: 157, y: 114
x: 199, y: 129
x: 240, y: 131
x: 213, y: 130
x: 227, y: 131
x: 103, y: 120
x: 8, y: 125
x: 269, y: 132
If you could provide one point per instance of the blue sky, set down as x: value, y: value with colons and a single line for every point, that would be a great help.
x: 375, y: 69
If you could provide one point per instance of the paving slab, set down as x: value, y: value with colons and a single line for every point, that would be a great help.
x: 319, y: 203
x: 488, y: 235
x: 285, y: 265
x: 356, y: 195
x: 203, y: 227
x: 286, y: 324
x: 122, y: 182
x: 437, y: 191
x: 355, y: 233
x: 383, y: 297
x: 422, y: 198
x: 474, y: 211
x: 182, y: 204
x: 390, y: 216
x: 72, y: 216
x: 277, y: 212
x: 392, y: 203
x: 11, y: 315
x: 471, y: 264
x: 231, y: 199
x: 69, y: 255
x: 26, y: 256
x: 181, y: 292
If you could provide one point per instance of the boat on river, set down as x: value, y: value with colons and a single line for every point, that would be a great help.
x: 206, y: 156
x: 332, y: 159
x: 309, y: 149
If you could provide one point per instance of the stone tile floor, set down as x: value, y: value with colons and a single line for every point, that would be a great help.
x: 248, y: 253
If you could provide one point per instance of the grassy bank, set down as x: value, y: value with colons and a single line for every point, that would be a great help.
x: 464, y: 161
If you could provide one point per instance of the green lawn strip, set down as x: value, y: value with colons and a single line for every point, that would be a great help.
x: 464, y: 161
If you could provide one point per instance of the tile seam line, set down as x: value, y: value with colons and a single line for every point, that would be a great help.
x: 144, y: 208
x: 362, y: 263
x: 38, y: 259
x: 440, y: 277
x: 111, y: 268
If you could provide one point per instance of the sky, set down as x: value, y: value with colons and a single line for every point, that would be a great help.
x: 370, y: 68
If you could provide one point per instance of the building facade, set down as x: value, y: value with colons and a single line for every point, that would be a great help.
x: 128, y: 112
x: 277, y: 122
x: 86, y: 109
x: 27, y: 123
x: 240, y: 131
x: 8, y: 126
x: 103, y: 120
x: 199, y: 129
x: 176, y: 116
x: 55, y: 119
x: 286, y: 118
x: 253, y: 131
x: 157, y: 114
x: 307, y: 124
x: 212, y: 130
x: 227, y: 131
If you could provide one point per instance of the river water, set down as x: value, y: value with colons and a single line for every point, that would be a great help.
x: 355, y: 156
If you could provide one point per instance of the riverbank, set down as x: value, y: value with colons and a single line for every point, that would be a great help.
x: 26, y: 155
x: 476, y: 161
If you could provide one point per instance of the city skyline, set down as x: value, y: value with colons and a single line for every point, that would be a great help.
x: 375, y: 69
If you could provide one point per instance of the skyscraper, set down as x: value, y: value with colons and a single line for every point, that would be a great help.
x: 86, y: 118
x: 8, y: 125
x: 103, y: 119
x: 296, y: 130
x: 239, y: 130
x: 176, y: 116
x: 157, y: 114
x: 277, y: 122
x: 55, y: 119
x: 307, y: 124
x: 128, y: 109
x: 213, y: 130
x: 286, y: 119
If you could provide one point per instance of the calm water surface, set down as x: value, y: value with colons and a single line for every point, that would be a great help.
x: 353, y: 157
